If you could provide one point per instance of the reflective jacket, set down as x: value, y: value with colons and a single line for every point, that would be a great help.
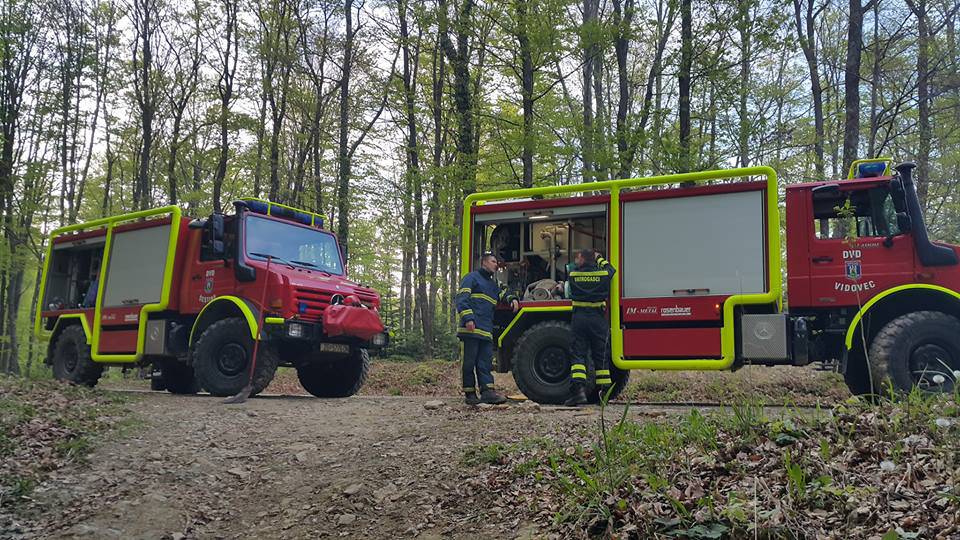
x: 476, y: 299
x: 590, y: 285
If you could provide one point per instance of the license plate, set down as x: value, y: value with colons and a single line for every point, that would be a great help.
x: 340, y: 348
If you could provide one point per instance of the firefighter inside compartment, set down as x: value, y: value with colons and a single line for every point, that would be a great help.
x: 589, y: 288
x: 476, y: 300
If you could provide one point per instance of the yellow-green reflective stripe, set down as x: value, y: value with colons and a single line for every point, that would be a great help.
x: 578, y: 367
x: 578, y: 375
x: 469, y: 389
x: 578, y: 303
x: 484, y: 297
x: 464, y: 290
x: 601, y: 372
x: 591, y: 273
x: 604, y: 381
x: 475, y: 331
x: 465, y: 312
x: 273, y: 320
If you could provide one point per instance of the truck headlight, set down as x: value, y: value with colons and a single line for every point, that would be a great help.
x: 379, y: 340
x: 295, y: 330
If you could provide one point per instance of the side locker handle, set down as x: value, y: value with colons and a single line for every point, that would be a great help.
x: 823, y: 259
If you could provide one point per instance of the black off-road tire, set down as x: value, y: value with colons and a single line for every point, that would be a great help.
x: 335, y: 378
x: 910, y: 338
x: 177, y: 377
x: 857, y: 375
x: 221, y: 359
x: 541, y: 363
x: 71, y: 358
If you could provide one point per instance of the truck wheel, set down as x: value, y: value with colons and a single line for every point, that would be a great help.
x: 541, y: 363
x: 71, y: 358
x: 178, y: 378
x: 221, y: 359
x: 335, y: 378
x: 856, y: 375
x: 919, y: 349
x: 157, y: 383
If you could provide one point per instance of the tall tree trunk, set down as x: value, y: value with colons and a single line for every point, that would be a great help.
x: 875, y: 83
x: 11, y: 352
x: 343, y: 157
x: 31, y: 344
x: 228, y: 59
x: 416, y: 178
x: 526, y: 89
x: 666, y: 16
x: 924, y: 135
x: 146, y: 98
x: 601, y: 121
x: 438, y: 74
x: 851, y: 82
x: 459, y: 57
x: 686, y: 63
x: 172, y: 162
x: 806, y: 34
x: 589, y: 47
x: 622, y: 20
x: 261, y: 133
x: 745, y: 29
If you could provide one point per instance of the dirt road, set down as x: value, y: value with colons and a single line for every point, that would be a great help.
x: 362, y: 467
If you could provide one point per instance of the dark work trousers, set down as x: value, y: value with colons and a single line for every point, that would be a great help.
x: 477, y: 356
x: 590, y: 329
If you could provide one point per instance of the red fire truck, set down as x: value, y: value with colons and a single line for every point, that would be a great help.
x: 191, y: 296
x: 699, y: 281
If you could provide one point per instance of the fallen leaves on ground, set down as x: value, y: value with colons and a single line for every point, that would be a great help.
x: 46, y: 425
x: 875, y: 472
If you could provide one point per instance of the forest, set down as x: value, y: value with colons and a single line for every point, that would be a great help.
x: 384, y: 115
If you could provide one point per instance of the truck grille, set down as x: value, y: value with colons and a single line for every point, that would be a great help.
x: 366, y: 298
x: 315, y: 302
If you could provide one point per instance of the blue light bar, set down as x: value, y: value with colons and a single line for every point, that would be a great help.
x: 281, y: 211
x: 871, y: 170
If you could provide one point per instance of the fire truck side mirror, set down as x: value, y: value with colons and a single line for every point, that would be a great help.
x: 898, y: 195
x: 215, y: 235
x: 904, y: 223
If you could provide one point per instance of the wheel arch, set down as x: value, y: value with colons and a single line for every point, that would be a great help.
x: 223, y: 307
x: 63, y: 322
x: 897, y: 301
x: 522, y: 321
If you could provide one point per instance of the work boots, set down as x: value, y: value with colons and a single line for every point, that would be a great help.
x: 491, y: 396
x: 471, y: 398
x: 577, y: 397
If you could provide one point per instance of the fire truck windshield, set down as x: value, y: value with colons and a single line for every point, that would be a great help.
x: 302, y: 246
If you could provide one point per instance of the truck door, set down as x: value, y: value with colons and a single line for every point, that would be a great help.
x: 857, y: 248
x: 209, y: 275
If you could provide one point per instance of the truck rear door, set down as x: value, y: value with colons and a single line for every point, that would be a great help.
x: 136, y: 280
x: 684, y: 252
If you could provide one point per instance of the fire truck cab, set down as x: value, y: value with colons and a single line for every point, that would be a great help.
x: 190, y: 297
x: 700, y: 277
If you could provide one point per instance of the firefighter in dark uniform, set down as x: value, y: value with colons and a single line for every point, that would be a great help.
x: 589, y: 289
x: 476, y: 300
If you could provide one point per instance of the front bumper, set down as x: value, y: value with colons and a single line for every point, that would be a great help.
x: 279, y: 329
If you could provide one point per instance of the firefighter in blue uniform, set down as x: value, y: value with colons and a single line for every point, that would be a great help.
x: 589, y: 289
x: 476, y: 300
